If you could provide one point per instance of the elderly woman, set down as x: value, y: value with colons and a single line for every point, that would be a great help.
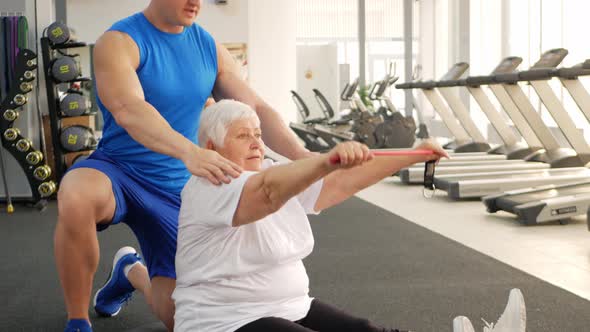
x: 241, y: 245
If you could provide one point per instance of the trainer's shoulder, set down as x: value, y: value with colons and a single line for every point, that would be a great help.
x: 115, y: 43
x: 202, y: 32
x: 132, y: 22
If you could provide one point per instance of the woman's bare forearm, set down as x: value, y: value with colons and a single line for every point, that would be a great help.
x: 342, y: 184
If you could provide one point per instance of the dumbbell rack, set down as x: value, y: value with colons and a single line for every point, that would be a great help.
x: 50, y: 51
x: 21, y: 148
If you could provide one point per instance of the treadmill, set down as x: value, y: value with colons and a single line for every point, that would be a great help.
x: 463, y: 140
x: 514, y: 151
x: 512, y: 147
x: 551, y: 202
x: 567, y: 163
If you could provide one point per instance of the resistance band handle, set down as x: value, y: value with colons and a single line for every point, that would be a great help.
x: 379, y: 153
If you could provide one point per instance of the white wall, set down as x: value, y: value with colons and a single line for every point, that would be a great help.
x: 90, y: 18
x: 322, y: 62
x: 226, y: 23
x: 272, y: 52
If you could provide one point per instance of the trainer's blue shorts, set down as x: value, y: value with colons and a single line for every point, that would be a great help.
x: 151, y: 213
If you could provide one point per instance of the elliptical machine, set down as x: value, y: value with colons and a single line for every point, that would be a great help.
x: 306, y: 130
x: 383, y: 129
x: 347, y: 128
x: 396, y: 130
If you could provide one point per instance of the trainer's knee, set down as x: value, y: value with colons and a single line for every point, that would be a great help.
x: 84, y: 195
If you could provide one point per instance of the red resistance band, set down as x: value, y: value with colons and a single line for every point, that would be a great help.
x: 428, y: 168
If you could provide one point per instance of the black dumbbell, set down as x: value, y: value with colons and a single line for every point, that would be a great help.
x: 74, y: 103
x: 65, y: 69
x: 59, y: 33
x: 78, y: 138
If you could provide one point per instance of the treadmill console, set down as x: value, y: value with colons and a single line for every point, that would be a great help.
x: 551, y: 58
x: 508, y: 65
x: 455, y: 72
x: 572, y: 73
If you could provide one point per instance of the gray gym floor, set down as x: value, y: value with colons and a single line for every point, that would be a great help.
x: 366, y: 260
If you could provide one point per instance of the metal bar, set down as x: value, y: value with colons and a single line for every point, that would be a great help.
x: 559, y: 114
x: 463, y: 41
x: 461, y: 113
x: 527, y: 109
x: 61, y: 12
x: 362, y: 27
x: 408, y: 53
x: 52, y: 102
x: 447, y: 117
x: 523, y: 127
x: 579, y: 94
x: 493, y: 115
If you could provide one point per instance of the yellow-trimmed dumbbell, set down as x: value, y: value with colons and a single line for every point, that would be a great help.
x: 42, y: 173
x: 10, y: 115
x: 35, y: 157
x: 47, y: 189
x: 11, y: 134
x: 24, y: 145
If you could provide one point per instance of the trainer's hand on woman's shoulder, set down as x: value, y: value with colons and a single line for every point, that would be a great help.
x: 211, y: 165
x: 348, y: 155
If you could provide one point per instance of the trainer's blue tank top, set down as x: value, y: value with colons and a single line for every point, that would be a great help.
x: 177, y: 73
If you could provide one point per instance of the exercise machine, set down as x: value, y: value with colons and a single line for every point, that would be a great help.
x: 464, y: 141
x: 569, y: 161
x: 305, y: 130
x: 551, y: 202
x: 512, y: 149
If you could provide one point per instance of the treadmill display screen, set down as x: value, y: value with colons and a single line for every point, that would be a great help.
x: 551, y: 58
x: 455, y: 72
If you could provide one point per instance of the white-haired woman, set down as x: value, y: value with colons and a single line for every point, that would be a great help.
x: 240, y: 245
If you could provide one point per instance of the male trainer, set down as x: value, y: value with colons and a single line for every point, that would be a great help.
x: 154, y: 72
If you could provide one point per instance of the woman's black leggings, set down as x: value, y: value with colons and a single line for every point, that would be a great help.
x: 321, y: 317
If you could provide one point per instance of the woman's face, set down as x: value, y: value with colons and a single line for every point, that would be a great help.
x: 243, y: 144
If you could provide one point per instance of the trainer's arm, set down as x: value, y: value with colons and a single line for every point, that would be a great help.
x: 342, y: 184
x: 266, y: 192
x: 276, y: 133
x: 116, y: 58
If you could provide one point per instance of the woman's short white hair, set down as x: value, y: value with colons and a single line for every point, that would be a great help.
x: 216, y: 119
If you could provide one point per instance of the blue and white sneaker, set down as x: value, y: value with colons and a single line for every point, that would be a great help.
x: 117, y: 291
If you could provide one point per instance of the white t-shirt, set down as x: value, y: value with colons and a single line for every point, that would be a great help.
x: 230, y: 276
